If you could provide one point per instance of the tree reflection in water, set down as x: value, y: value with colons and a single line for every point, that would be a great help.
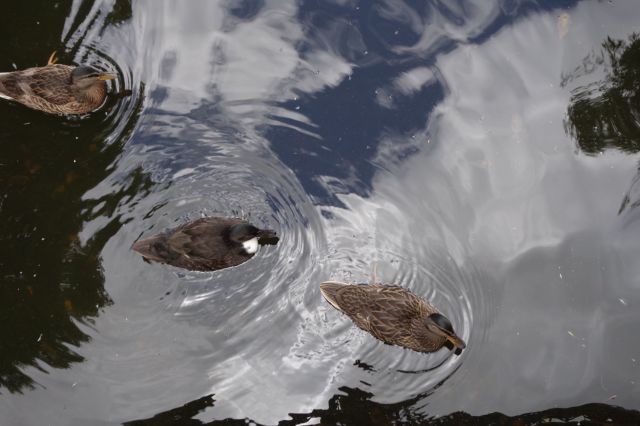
x: 42, y: 213
x: 606, y: 114
x: 354, y: 407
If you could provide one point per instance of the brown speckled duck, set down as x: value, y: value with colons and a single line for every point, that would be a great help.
x: 393, y: 315
x: 56, y: 88
x: 206, y: 244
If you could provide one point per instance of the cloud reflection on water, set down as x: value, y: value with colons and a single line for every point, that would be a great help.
x: 496, y: 183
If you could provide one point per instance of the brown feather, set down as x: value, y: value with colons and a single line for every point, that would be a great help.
x: 201, y: 245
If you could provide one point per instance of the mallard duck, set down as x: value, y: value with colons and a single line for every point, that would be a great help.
x: 56, y: 88
x: 393, y: 315
x: 206, y: 244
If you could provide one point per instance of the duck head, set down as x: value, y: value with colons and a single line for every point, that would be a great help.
x: 84, y: 77
x: 440, y: 325
x: 250, y: 237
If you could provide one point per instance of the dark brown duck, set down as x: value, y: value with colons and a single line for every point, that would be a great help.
x: 393, y: 315
x: 206, y: 244
x: 56, y: 88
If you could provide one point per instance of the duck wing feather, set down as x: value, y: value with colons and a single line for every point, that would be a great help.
x: 204, y: 238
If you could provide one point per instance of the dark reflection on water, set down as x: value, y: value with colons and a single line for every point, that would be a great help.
x: 427, y: 138
x: 354, y: 406
x: 52, y: 277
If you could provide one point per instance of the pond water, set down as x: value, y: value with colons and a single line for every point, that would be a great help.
x: 481, y: 153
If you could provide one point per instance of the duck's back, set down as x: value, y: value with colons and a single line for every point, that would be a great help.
x: 389, y: 313
x: 203, y: 238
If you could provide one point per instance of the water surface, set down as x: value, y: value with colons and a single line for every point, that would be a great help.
x: 480, y: 153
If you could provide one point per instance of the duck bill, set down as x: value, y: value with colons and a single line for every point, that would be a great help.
x: 267, y: 237
x: 456, y: 341
x: 106, y: 76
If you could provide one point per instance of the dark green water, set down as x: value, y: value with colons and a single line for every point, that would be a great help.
x: 481, y: 153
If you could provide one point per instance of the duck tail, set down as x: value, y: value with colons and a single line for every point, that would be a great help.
x: 3, y: 95
x: 329, y: 290
x: 152, y: 248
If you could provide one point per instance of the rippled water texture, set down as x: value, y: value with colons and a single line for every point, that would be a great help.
x: 482, y: 154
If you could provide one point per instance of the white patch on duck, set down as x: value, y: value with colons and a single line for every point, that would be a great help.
x: 251, y: 246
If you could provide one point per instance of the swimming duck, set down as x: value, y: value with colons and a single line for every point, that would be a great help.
x: 393, y: 315
x: 206, y: 244
x: 56, y: 88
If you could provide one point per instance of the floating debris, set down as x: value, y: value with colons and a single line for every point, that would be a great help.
x: 563, y: 25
